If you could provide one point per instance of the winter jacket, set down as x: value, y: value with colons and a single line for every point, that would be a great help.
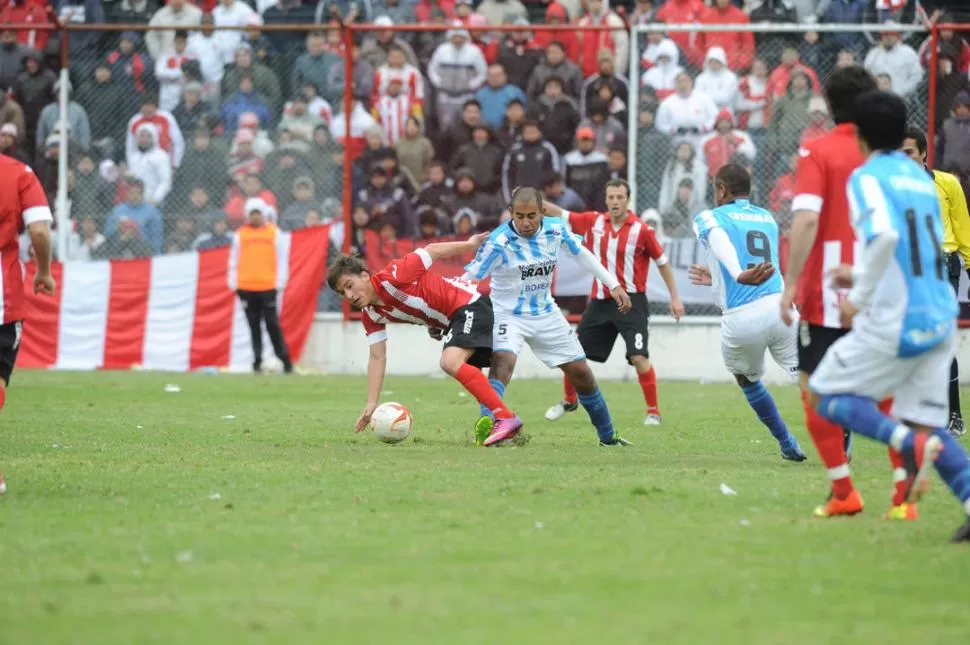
x: 28, y: 12
x: 457, y: 71
x: 484, y: 162
x: 204, y: 48
x: 789, y: 116
x: 96, y: 98
x: 556, y: 14
x: 34, y: 91
x: 375, y: 52
x: 171, y: 77
x: 619, y: 83
x: 901, y: 63
x: 566, y: 71
x: 363, y: 80
x: 525, y: 163
x: 689, y: 117
x: 719, y: 149
x: 11, y: 112
x: 617, y: 41
x: 721, y: 86
x: 558, y: 118
x: 235, y: 15
x: 89, y: 12
x: 662, y: 76
x: 189, y: 119
x: 148, y: 218
x: 519, y: 60
x: 239, y: 103
x: 495, y: 100
x: 158, y: 42
x: 416, y: 155
x: 678, y: 12
x: 12, y: 62
x: 265, y: 83
x: 751, y: 103
x: 389, y: 205
x: 77, y: 122
x: 169, y: 135
x: 846, y: 12
x: 153, y: 167
x: 954, y: 147
x: 587, y: 174
x: 738, y: 46
x: 498, y: 12
x: 610, y: 133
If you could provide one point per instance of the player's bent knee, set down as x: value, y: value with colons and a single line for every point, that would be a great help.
x: 743, y: 380
x: 580, y: 375
x: 640, y: 363
x: 452, y: 358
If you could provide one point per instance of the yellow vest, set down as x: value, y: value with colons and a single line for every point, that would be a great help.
x: 256, y: 270
x: 956, y: 219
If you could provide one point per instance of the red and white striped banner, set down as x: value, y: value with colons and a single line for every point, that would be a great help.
x: 169, y: 312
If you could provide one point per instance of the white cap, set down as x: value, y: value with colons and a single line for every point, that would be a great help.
x: 383, y: 21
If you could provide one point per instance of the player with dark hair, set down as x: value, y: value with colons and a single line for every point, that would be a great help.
x: 623, y: 245
x: 741, y: 240
x: 822, y: 239
x: 520, y: 256
x: 901, y: 309
x: 406, y: 292
x: 956, y: 245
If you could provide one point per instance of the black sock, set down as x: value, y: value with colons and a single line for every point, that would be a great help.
x: 955, y: 390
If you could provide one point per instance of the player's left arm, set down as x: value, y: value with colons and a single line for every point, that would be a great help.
x: 651, y: 247
x: 37, y: 217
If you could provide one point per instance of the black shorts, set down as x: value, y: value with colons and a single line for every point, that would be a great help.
x: 9, y: 346
x: 471, y: 328
x: 602, y: 323
x: 813, y: 342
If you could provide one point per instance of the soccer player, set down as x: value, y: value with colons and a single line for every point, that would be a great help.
x: 901, y: 309
x: 22, y: 204
x: 520, y: 256
x: 453, y: 310
x: 742, y: 245
x: 956, y: 244
x: 624, y: 245
x: 821, y: 239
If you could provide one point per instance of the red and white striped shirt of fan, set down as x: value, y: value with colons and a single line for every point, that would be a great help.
x: 412, y: 294
x: 22, y: 203
x: 625, y: 251
x: 393, y: 112
x: 409, y: 76
x: 824, y: 166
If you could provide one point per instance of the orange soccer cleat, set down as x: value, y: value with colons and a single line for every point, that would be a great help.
x: 904, y: 511
x: 835, y: 507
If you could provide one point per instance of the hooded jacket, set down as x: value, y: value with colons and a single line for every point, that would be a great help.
x: 901, y: 63
x: 34, y: 91
x: 567, y: 71
x: 739, y: 46
x: 457, y: 71
x: 152, y: 166
x: 617, y: 41
x: 526, y: 162
x: 558, y: 118
x: 77, y: 123
x: 161, y: 41
x: 662, y: 76
x: 556, y: 13
x: 721, y: 86
x: 719, y: 148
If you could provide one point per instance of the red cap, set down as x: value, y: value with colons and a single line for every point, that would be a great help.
x: 585, y: 133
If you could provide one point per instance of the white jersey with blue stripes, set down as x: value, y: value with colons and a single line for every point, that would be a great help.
x: 521, y: 268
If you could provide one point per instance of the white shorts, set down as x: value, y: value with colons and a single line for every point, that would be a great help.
x: 747, y: 333
x: 918, y: 384
x: 551, y: 338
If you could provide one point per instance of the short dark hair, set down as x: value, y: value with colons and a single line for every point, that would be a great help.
x: 880, y: 119
x: 618, y: 183
x: 471, y: 102
x: 842, y: 89
x: 525, y: 195
x: 549, y: 178
x: 918, y: 136
x: 344, y: 265
x: 735, y: 179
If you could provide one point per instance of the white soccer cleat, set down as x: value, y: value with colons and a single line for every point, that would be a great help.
x: 3, y: 485
x: 559, y: 410
x: 652, y: 420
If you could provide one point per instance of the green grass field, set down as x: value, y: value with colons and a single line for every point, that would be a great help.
x: 140, y: 516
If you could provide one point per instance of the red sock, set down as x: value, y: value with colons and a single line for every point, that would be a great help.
x: 472, y: 379
x: 900, y: 485
x: 3, y: 396
x: 648, y: 383
x: 827, y: 438
x: 570, y: 392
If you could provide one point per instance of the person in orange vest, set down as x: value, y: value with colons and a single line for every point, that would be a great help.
x: 258, y: 269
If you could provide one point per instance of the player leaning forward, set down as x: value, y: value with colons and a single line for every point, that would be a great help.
x: 520, y: 256
x: 901, y: 309
x: 406, y: 292
x: 624, y: 244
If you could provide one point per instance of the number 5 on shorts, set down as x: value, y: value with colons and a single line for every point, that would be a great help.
x: 503, y: 330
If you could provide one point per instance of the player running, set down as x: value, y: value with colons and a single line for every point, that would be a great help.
x: 406, y: 292
x: 625, y: 246
x: 23, y: 204
x: 821, y: 239
x: 901, y: 309
x: 739, y: 234
x: 520, y: 256
x: 956, y: 244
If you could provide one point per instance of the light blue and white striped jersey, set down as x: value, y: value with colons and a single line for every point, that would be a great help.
x: 753, y: 233
x: 913, y: 308
x: 521, y: 268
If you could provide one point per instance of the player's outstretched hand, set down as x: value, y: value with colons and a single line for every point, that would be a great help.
x: 622, y: 298
x: 788, y: 304
x: 757, y: 274
x: 841, y: 277
x: 476, y: 241
x: 364, y: 419
x: 676, y: 308
x: 699, y: 275
x: 44, y: 284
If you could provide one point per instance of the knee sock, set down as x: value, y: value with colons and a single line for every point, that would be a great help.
x: 900, y: 483
x: 499, y: 388
x: 861, y: 416
x: 569, y: 391
x: 828, y: 440
x: 955, y: 390
x: 764, y: 406
x: 599, y: 413
x: 954, y: 468
x: 473, y: 380
x: 648, y: 383
x: 3, y: 397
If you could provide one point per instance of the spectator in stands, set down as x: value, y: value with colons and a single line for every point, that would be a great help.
x: 198, y: 206
x: 899, y: 60
x: 773, y: 12
x: 262, y: 47
x: 126, y: 242
x: 468, y: 197
x: 653, y: 147
x: 679, y: 12
x: 376, y: 47
x: 780, y: 77
x: 951, y: 39
x: 169, y: 71
x: 645, y: 14
x: 510, y: 131
x: 298, y: 120
x: 687, y: 113
x: 556, y: 14
x: 557, y: 114
x: 606, y: 75
x: 219, y: 235
x: 427, y: 42
x: 401, y: 13
x: 685, y: 164
x: 243, y: 100
x: 724, y: 143
x: 414, y: 150
x: 751, y: 102
x: 81, y: 44
x: 34, y: 89
x: 265, y: 82
x: 397, y: 68
x: 609, y: 131
x: 9, y: 145
x: 846, y: 12
x: 315, y: 103
x: 884, y: 82
x: 204, y: 47
x: 88, y: 242
x: 953, y: 145
x: 717, y: 81
x: 130, y: 68
x: 616, y: 161
x: 651, y: 50
x: 812, y: 51
x: 169, y: 135
x: 303, y: 201
x: 283, y: 167
x: 465, y: 223
x: 176, y: 13
x: 789, y: 116
x: 205, y: 165
x: 386, y: 204
x: 77, y: 119
x: 519, y: 53
x: 181, y: 236
x: 783, y: 192
x: 11, y: 113
x: 243, y: 160
x: 438, y: 189
x: 460, y: 132
x: 27, y: 12
x: 230, y: 13
x: 362, y: 80
x: 495, y: 96
x: 950, y: 82
x: 151, y: 165
x: 555, y: 191
x: 738, y: 46
x: 499, y: 12
x: 134, y: 210
x: 430, y: 223
x: 483, y: 157
x: 374, y: 148
x: 846, y: 58
x: 393, y: 108
x: 592, y: 43
x: 317, y: 66
x: 677, y: 219
x: 527, y: 160
x: 252, y: 188
x: 587, y: 170
x: 346, y: 10
x: 556, y: 64
x: 192, y: 111
x: 12, y: 55
x: 101, y: 94
x: 662, y: 75
x: 397, y: 176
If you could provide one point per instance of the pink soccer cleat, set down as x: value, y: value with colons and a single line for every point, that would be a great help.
x: 503, y: 429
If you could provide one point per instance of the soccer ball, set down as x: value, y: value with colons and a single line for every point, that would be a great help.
x: 391, y: 422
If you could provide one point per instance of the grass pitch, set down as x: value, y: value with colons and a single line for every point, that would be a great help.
x: 140, y: 516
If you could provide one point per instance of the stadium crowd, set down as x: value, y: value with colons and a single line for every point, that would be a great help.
x: 172, y: 131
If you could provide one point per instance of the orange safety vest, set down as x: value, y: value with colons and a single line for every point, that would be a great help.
x: 256, y: 270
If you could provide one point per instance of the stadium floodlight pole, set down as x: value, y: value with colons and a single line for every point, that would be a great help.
x: 60, y: 208
x: 931, y: 99
x: 633, y: 120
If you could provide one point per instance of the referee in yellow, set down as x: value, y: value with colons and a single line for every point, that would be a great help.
x: 956, y: 246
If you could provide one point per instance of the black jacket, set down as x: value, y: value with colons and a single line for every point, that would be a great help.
x: 526, y: 163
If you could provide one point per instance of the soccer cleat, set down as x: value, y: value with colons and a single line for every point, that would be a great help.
x: 652, y: 420
x: 926, y: 448
x: 3, y: 485
x: 956, y: 428
x: 904, y: 511
x: 835, y: 507
x: 483, y: 427
x: 792, y: 451
x: 962, y: 534
x: 502, y: 430
x: 617, y: 440
x: 559, y: 410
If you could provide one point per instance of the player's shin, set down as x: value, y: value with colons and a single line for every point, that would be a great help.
x: 569, y: 392
x: 764, y: 406
x: 499, y: 388
x: 954, y: 467
x: 473, y: 380
x: 827, y: 438
x: 599, y: 414
x: 648, y: 384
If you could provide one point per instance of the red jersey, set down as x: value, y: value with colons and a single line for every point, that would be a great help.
x: 411, y: 294
x: 625, y: 252
x: 824, y: 166
x: 22, y: 202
